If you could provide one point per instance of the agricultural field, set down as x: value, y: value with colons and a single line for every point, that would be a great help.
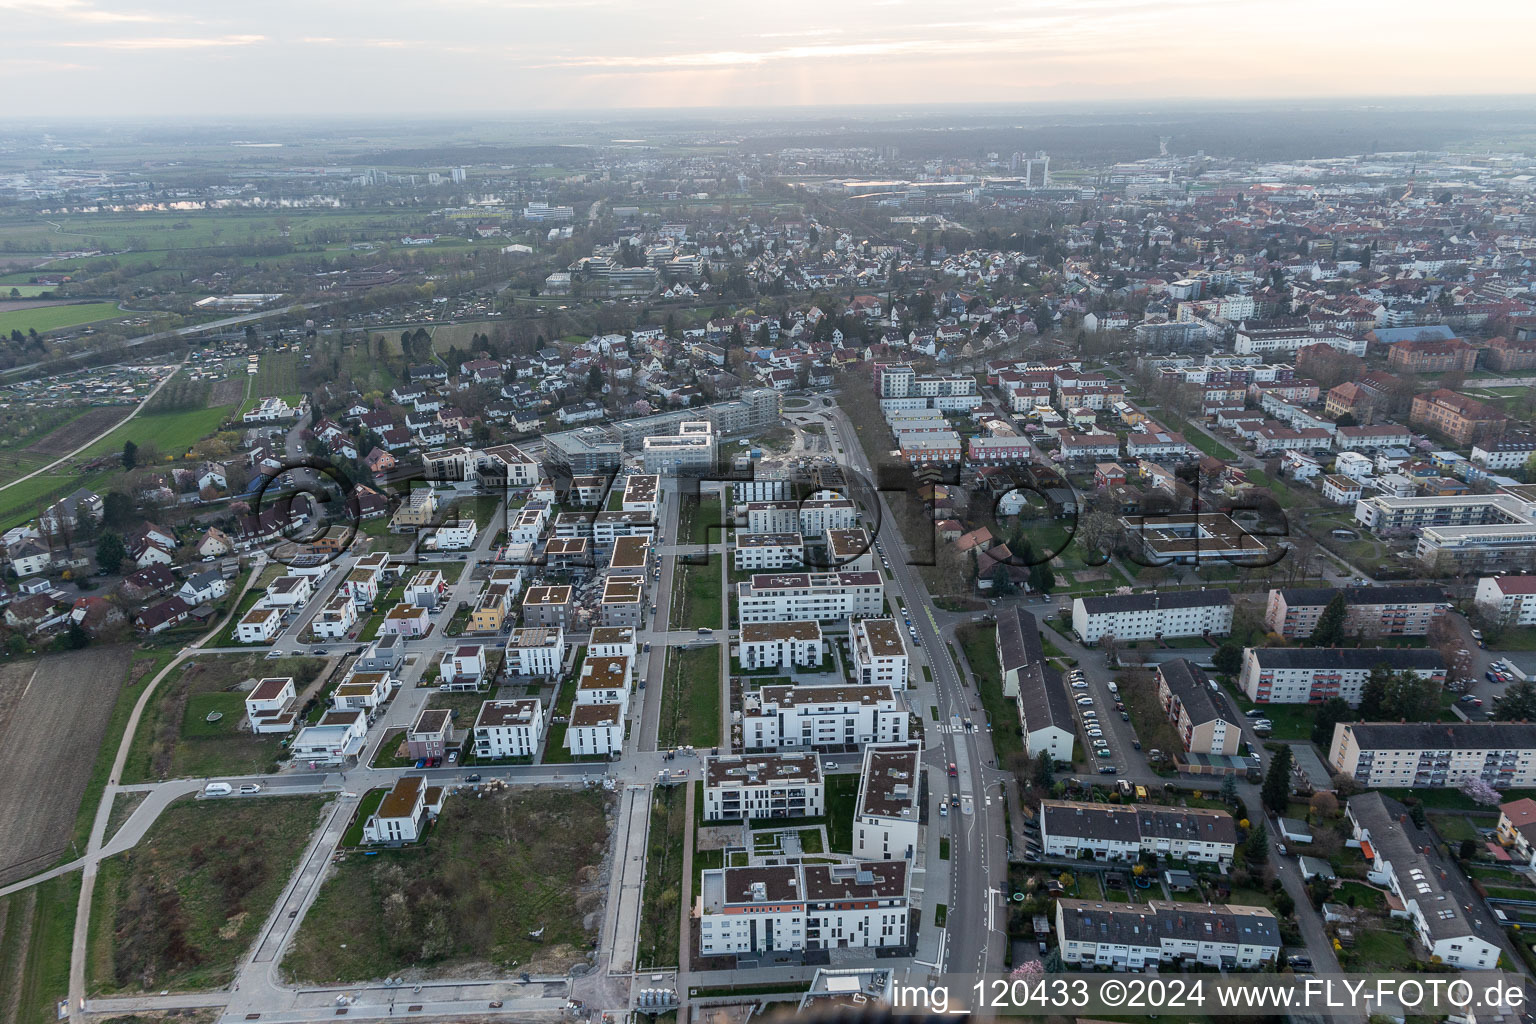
x: 77, y: 430
x: 53, y: 714
x: 171, y: 432
x: 175, y: 739
x: 37, y: 926
x: 490, y: 872
x: 179, y: 909
x: 43, y: 319
x: 277, y: 376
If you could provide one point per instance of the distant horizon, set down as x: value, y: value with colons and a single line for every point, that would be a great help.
x: 1119, y: 107
x: 183, y: 58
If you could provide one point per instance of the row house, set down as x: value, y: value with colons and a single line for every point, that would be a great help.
x: 1126, y: 832
x: 1132, y: 937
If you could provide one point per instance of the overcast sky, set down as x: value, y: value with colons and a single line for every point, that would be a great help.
x: 322, y: 57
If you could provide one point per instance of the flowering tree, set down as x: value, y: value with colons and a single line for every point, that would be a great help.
x: 1479, y: 792
x: 1029, y: 969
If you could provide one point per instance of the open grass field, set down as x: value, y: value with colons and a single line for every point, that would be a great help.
x: 54, y: 712
x: 660, y: 904
x: 690, y: 699
x: 156, y: 235
x: 277, y: 376
x: 171, y: 432
x: 979, y: 645
x: 698, y: 596
x: 179, y: 909
x: 43, y: 319
x: 36, y: 927
x: 699, y: 522
x: 489, y: 872
x: 174, y: 739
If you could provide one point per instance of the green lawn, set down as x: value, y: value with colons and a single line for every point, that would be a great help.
x: 690, y: 698
x: 178, y: 910
x: 1356, y: 894
x: 1378, y: 949
x: 171, y: 432
x: 554, y: 744
x: 662, y: 899
x: 697, y: 597
x: 353, y: 836
x: 174, y: 740
x: 700, y: 522
x: 52, y: 318
x: 1453, y: 828
x: 37, y: 926
x: 979, y: 643
x: 490, y: 871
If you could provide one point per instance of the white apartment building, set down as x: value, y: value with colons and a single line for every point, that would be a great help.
x: 1402, y: 610
x: 779, y: 645
x: 1396, y: 860
x: 690, y: 451
x: 336, y: 616
x: 269, y: 705
x: 885, y: 819
x: 786, y: 597
x: 605, y: 680
x: 1147, y: 616
x: 1508, y: 599
x: 822, y: 717
x: 507, y: 465
x: 1039, y: 691
x: 741, y: 788
x: 748, y: 911
x: 401, y: 814
x: 363, y: 691
x: 259, y: 626
x: 879, y: 652
x: 1112, y: 832
x: 612, y: 642
x: 849, y: 550
x: 759, y: 552
x: 595, y: 730
x: 1508, y: 452
x: 526, y: 525
x: 1310, y: 675
x: 457, y: 536
x: 813, y: 516
x: 337, y: 737
x: 1418, y: 755
x: 509, y: 728
x: 535, y: 651
x: 1127, y: 936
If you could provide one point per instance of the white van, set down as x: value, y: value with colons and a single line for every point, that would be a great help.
x: 249, y: 789
x: 1114, y: 690
x: 218, y: 789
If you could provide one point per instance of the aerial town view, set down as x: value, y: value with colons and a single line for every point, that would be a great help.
x: 774, y: 526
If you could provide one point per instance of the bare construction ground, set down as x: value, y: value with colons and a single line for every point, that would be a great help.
x: 53, y: 711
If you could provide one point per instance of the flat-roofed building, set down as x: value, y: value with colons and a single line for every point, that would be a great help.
x: 406, y: 620
x: 547, y: 606
x: 509, y: 728
x: 335, y: 739
x: 401, y: 814
x: 784, y: 597
x: 689, y: 452
x: 879, y: 652
x: 258, y: 626
x: 743, y: 787
x: 595, y: 730
x: 623, y: 601
x: 748, y: 911
x: 430, y: 735
x: 336, y: 616
x: 849, y: 550
x: 1310, y: 675
x: 780, y: 645
x: 885, y: 819
x: 605, y: 680
x: 630, y: 557
x: 1124, y: 936
x: 507, y: 465
x: 426, y: 589
x: 269, y: 707
x: 414, y: 511
x: 448, y: 465
x: 489, y: 614
x: 763, y: 551
x: 1197, y: 539
x: 1123, y: 832
x: 363, y: 691
x: 1405, y: 610
x: 1420, y: 755
x: 1203, y: 724
x: 642, y: 493
x: 1148, y: 616
x: 612, y: 641
x: 822, y: 717
x: 537, y: 651
x: 569, y: 554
